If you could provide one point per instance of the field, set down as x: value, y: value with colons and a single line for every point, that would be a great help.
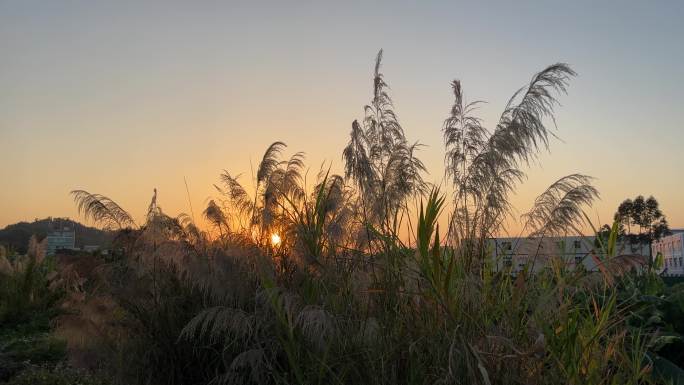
x: 350, y: 279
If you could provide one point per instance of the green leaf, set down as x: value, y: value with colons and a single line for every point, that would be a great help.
x: 665, y: 370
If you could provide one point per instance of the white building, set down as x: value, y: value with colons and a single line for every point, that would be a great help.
x: 671, y: 248
x: 61, y: 238
x: 535, y: 253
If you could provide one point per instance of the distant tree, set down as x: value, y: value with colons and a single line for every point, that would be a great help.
x: 602, y: 236
x: 641, y: 220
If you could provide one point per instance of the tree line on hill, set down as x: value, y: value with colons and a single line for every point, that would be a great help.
x: 16, y: 236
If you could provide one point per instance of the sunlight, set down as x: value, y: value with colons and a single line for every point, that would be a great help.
x: 275, y: 240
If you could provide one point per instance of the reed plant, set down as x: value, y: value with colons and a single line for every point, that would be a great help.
x: 345, y: 283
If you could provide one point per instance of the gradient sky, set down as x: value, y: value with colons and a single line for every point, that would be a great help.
x: 119, y: 98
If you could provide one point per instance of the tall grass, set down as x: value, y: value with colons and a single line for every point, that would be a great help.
x: 345, y: 299
x: 25, y: 293
x: 29, y: 299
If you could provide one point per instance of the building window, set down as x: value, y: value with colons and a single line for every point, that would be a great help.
x: 578, y: 259
x: 577, y: 244
x: 506, y: 246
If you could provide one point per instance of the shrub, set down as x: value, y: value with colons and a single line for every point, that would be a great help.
x: 59, y: 375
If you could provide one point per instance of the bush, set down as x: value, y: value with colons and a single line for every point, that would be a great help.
x: 155, y: 305
x: 34, y: 348
x: 59, y: 375
x: 25, y: 293
x: 27, y: 306
x: 313, y: 287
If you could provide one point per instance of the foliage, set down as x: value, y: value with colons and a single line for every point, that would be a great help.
x: 345, y: 299
x: 25, y: 293
x: 643, y: 220
x: 485, y: 166
x: 380, y: 161
x: 155, y: 316
x: 28, y: 303
x: 659, y: 310
x: 60, y: 375
x: 558, y: 210
x: 102, y: 210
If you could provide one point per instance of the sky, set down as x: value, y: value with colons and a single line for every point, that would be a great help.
x: 120, y: 98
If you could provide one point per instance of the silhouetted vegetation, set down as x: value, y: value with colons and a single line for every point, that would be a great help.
x: 641, y: 220
x: 348, y: 279
x: 28, y: 303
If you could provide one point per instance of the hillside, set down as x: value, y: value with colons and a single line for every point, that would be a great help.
x: 16, y: 236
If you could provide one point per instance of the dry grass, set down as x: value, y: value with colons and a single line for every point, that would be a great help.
x: 342, y: 299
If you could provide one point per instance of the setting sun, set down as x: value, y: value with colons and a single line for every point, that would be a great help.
x: 275, y: 239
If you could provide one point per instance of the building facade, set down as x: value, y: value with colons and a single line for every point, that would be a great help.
x: 61, y: 238
x: 535, y: 253
x: 671, y: 248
